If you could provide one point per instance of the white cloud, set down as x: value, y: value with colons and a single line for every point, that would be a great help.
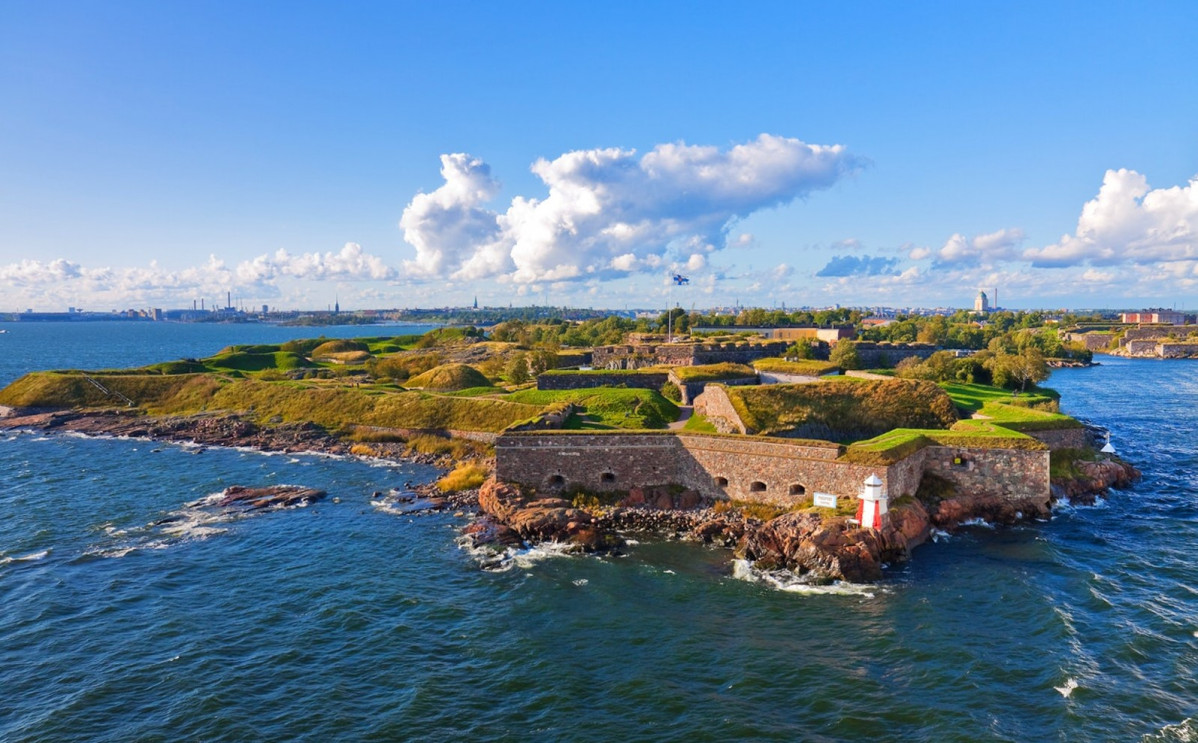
x: 1129, y: 223
x: 62, y: 282
x: 609, y: 211
x: 986, y: 249
x: 350, y: 264
x: 449, y: 227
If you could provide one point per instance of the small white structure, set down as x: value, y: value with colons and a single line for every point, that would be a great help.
x: 873, y: 504
x: 1108, y: 449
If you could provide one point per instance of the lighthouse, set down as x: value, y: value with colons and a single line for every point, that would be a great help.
x: 873, y: 504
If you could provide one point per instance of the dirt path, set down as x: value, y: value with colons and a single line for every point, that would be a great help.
x: 684, y: 414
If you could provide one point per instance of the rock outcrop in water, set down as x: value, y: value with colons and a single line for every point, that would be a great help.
x: 266, y: 497
x: 1094, y: 479
x: 510, y: 516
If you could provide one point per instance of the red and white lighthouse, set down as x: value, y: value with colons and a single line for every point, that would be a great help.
x: 873, y: 504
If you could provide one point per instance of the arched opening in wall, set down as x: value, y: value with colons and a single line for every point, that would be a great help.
x: 607, y: 478
x: 557, y: 481
x: 757, y: 486
x: 721, y: 482
x: 797, y: 489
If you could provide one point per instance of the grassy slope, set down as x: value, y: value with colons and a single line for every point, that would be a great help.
x: 328, y: 405
x: 842, y: 405
x: 617, y: 407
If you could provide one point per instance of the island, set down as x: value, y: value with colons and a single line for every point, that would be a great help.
x: 798, y: 448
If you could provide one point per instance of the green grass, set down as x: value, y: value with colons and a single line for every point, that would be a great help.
x: 155, y: 392
x: 1024, y: 419
x: 971, y: 397
x: 894, y: 446
x: 335, y: 407
x: 613, y: 406
x: 810, y: 368
x: 699, y: 424
x: 713, y: 372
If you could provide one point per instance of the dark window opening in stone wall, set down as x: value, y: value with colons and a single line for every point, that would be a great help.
x: 557, y: 481
x: 797, y: 489
x: 607, y: 477
x: 757, y: 487
x: 721, y: 482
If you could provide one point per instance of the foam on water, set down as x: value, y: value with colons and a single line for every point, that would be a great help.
x: 790, y: 582
x: 1067, y: 688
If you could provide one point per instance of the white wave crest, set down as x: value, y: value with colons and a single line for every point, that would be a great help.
x: 1185, y: 731
x: 510, y: 558
x: 1067, y: 689
x: 34, y: 556
x: 785, y: 580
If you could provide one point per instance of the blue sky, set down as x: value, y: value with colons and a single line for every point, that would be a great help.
x: 854, y: 153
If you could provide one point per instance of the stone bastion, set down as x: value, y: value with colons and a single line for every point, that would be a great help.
x: 755, y: 469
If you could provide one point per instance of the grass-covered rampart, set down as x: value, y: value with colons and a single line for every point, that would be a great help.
x: 615, y: 407
x: 714, y: 372
x: 868, y: 407
x: 331, y: 406
x: 806, y: 368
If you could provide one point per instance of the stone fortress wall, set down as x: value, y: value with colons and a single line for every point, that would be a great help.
x: 640, y: 355
x: 643, y: 380
x: 753, y: 469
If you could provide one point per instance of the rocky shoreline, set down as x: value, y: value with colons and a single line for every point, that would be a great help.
x: 209, y: 430
x: 820, y: 548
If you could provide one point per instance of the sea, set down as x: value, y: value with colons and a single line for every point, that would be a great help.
x: 133, y: 609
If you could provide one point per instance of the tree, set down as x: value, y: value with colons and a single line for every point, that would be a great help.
x: 516, y: 370
x: 844, y: 354
x: 542, y: 361
x: 803, y: 348
x: 1011, y: 370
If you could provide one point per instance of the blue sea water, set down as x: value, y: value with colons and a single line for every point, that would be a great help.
x: 126, y: 614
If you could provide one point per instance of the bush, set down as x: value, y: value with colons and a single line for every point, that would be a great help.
x: 463, y: 477
x: 670, y: 391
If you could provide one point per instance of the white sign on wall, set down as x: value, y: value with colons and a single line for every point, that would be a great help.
x: 825, y: 500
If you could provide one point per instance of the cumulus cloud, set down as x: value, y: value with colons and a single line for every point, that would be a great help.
x: 1127, y: 222
x: 350, y: 264
x: 66, y: 282
x: 36, y: 273
x: 986, y: 249
x: 450, y: 228
x: 852, y: 265
x: 609, y: 211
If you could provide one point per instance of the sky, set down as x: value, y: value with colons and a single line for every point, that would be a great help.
x: 420, y: 154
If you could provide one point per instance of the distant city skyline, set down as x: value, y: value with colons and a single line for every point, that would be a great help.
x: 389, y: 155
